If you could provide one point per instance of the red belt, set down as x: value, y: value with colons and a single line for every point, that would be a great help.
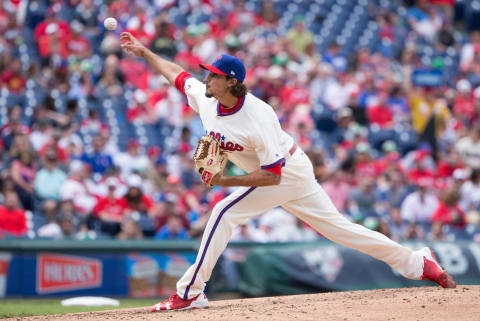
x: 293, y: 149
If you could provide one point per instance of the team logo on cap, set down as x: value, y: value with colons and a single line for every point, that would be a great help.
x: 232, y: 72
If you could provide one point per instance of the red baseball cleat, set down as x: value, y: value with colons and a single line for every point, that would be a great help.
x: 434, y: 272
x: 176, y: 303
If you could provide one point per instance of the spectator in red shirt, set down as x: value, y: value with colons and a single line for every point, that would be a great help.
x: 12, y: 217
x: 77, y: 44
x: 54, y: 146
x: 13, y: 79
x: 62, y: 27
x: 53, y: 42
x: 448, y: 163
x: 92, y: 124
x: 141, y: 110
x: 135, y: 199
x: 141, y: 28
x: 187, y: 58
x: 419, y: 171
x: 379, y: 113
x: 448, y: 213
x: 110, y: 209
x: 464, y: 105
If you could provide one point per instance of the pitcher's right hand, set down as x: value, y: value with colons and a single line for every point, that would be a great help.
x: 131, y: 44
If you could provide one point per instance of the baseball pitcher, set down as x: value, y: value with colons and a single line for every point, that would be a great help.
x: 245, y: 130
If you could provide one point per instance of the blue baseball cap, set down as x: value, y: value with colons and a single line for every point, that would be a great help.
x: 227, y: 65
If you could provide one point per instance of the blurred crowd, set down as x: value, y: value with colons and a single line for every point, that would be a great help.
x: 95, y: 144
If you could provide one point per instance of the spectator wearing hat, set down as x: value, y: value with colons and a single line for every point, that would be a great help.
x: 78, y: 45
x: 92, y: 124
x: 420, y: 205
x: 98, y: 160
x: 419, y: 172
x: 363, y: 160
x: 132, y: 160
x: 75, y: 188
x: 156, y: 175
x: 100, y: 188
x: 54, y: 42
x: 388, y: 162
x: 464, y: 105
x: 379, y: 113
x: 188, y: 57
x: 12, y: 216
x: 141, y: 110
x: 110, y: 209
x: 49, y: 179
x: 53, y: 146
x: 344, y: 122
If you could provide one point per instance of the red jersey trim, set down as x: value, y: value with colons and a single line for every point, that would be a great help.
x: 180, y: 81
x: 223, y: 111
x: 276, y: 167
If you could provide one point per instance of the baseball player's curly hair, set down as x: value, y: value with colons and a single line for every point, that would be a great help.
x: 239, y: 89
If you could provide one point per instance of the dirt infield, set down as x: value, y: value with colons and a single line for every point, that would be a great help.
x: 427, y: 303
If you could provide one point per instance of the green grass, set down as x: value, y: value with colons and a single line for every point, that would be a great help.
x: 10, y: 308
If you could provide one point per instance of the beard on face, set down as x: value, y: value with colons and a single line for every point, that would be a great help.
x: 208, y: 95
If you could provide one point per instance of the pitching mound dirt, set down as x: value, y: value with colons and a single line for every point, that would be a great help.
x: 426, y: 303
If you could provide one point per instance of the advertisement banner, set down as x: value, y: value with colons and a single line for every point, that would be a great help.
x: 153, y: 275
x: 428, y: 78
x: 330, y: 267
x: 59, y: 273
x: 5, y: 258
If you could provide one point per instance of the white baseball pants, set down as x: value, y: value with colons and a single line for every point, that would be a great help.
x: 300, y: 194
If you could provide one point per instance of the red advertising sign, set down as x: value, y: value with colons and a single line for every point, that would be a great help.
x: 58, y: 273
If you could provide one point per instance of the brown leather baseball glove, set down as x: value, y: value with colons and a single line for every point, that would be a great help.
x: 209, y: 158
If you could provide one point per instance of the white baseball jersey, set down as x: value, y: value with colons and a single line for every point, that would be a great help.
x: 251, y: 133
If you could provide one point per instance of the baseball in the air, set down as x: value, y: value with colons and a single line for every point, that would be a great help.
x: 110, y: 23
